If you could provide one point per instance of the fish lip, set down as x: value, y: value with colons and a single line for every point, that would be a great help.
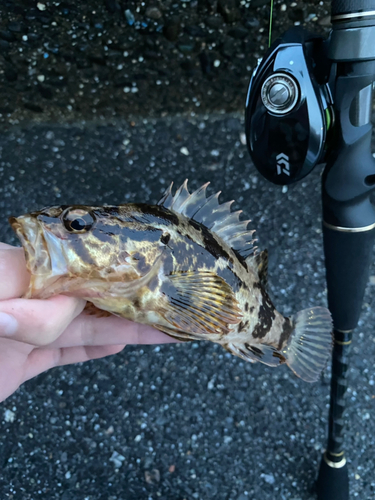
x: 28, y: 248
x: 33, y: 242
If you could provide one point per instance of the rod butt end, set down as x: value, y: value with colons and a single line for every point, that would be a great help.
x: 333, y: 479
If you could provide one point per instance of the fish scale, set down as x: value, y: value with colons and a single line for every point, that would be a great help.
x: 187, y: 266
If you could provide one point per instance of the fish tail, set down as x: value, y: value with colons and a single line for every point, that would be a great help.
x: 310, y: 343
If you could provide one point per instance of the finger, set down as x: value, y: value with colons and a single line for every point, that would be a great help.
x: 14, y: 276
x: 41, y: 360
x: 89, y: 330
x: 38, y: 322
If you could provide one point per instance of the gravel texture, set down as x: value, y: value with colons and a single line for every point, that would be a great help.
x: 185, y: 421
x: 65, y: 60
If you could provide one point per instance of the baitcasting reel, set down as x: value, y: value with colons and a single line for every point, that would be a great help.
x: 289, y: 109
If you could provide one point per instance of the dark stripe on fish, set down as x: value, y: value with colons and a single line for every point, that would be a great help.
x: 137, y: 303
x: 113, y: 212
x: 266, y: 315
x: 286, y: 332
x: 266, y: 354
x: 280, y: 356
x: 152, y: 212
x: 243, y: 325
x: 240, y: 258
x: 210, y: 243
x: 257, y: 352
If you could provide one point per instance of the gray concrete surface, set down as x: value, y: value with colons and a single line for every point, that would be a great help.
x: 185, y: 421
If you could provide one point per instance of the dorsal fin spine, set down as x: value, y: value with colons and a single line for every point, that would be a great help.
x: 215, y: 216
x: 167, y: 197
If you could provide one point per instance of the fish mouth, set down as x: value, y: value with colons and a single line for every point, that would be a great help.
x: 30, y: 234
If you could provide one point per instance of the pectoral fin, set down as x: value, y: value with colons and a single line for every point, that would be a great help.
x: 177, y: 334
x: 200, y: 303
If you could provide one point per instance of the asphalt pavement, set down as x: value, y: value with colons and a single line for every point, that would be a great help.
x: 63, y: 60
x: 186, y: 421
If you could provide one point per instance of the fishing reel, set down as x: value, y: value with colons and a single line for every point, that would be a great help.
x: 289, y: 112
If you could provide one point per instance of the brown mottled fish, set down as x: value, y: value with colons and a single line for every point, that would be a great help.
x: 186, y: 266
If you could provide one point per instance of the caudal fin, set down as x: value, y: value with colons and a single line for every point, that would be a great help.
x: 310, y: 344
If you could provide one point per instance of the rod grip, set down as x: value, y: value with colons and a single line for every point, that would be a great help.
x: 339, y: 386
x: 348, y: 257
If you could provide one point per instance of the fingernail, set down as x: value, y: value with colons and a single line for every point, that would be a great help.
x: 8, y: 324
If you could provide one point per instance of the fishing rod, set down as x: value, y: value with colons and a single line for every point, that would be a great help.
x: 348, y: 215
x: 310, y: 102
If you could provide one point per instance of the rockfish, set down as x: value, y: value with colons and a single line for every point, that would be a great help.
x: 186, y: 266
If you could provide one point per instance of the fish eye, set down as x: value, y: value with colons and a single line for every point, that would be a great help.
x: 77, y: 220
x: 165, y: 238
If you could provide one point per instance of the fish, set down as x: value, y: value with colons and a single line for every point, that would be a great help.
x: 188, y: 266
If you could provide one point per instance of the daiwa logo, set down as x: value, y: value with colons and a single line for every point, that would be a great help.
x: 283, y: 166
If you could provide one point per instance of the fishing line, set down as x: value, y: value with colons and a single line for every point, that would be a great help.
x: 270, y: 29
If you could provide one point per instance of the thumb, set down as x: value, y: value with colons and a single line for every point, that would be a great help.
x: 38, y: 322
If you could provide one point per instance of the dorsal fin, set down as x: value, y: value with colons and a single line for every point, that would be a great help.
x: 216, y: 217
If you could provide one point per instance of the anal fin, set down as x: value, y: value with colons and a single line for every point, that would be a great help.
x: 261, y: 353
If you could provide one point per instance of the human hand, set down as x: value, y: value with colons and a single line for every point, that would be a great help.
x: 36, y: 335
